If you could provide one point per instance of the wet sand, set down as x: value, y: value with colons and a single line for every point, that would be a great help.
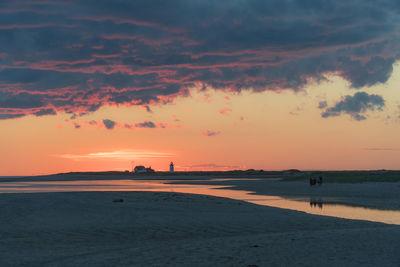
x: 170, y: 229
x: 384, y: 195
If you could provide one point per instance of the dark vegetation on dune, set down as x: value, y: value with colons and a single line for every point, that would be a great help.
x: 348, y: 176
x: 194, y: 173
x: 286, y: 175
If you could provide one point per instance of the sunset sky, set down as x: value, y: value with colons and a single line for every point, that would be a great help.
x: 91, y: 85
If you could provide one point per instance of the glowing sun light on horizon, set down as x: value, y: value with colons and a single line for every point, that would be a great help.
x: 119, y: 155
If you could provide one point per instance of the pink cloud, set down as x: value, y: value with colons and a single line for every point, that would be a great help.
x: 142, y: 39
x: 175, y: 118
x: 106, y: 56
x: 98, y: 47
x: 225, y: 111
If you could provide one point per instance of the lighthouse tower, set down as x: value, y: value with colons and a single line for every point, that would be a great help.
x: 171, y: 167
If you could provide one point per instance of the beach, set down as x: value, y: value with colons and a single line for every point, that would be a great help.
x: 173, y: 229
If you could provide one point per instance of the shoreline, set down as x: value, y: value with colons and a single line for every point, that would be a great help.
x: 375, y: 195
x: 381, y: 195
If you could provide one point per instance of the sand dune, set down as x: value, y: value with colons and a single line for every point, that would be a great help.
x: 159, y: 229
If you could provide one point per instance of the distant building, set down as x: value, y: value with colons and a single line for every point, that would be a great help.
x: 142, y: 169
x: 171, y: 167
x: 139, y: 169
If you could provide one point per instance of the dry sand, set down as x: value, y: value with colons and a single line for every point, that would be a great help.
x: 161, y: 229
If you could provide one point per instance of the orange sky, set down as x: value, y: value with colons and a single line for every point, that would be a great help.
x: 268, y: 130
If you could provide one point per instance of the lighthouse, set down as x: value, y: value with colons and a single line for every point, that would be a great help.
x: 171, y: 167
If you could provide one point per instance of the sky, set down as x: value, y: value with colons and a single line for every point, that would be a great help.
x: 211, y: 85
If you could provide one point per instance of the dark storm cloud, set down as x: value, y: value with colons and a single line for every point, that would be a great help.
x: 361, y: 102
x: 21, y: 100
x: 109, y: 124
x: 76, y: 56
x: 10, y: 116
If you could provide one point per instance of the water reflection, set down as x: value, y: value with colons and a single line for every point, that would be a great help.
x: 316, y: 202
x: 311, y: 206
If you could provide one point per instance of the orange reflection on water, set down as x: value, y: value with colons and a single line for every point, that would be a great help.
x: 316, y: 207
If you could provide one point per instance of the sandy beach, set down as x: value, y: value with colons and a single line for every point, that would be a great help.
x: 171, y: 229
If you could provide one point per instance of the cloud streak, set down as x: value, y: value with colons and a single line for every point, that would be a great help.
x: 118, y: 155
x: 225, y: 111
x: 381, y: 149
x: 146, y: 124
x: 212, y: 166
x: 210, y: 133
x: 112, y: 125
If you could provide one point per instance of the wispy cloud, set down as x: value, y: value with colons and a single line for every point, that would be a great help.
x: 112, y: 125
x: 118, y: 155
x: 225, y: 111
x: 211, y: 166
x: 381, y: 149
x: 145, y: 124
x: 77, y: 125
x: 296, y: 111
x: 210, y: 133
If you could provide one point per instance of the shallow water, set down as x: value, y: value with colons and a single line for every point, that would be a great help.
x: 311, y: 206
